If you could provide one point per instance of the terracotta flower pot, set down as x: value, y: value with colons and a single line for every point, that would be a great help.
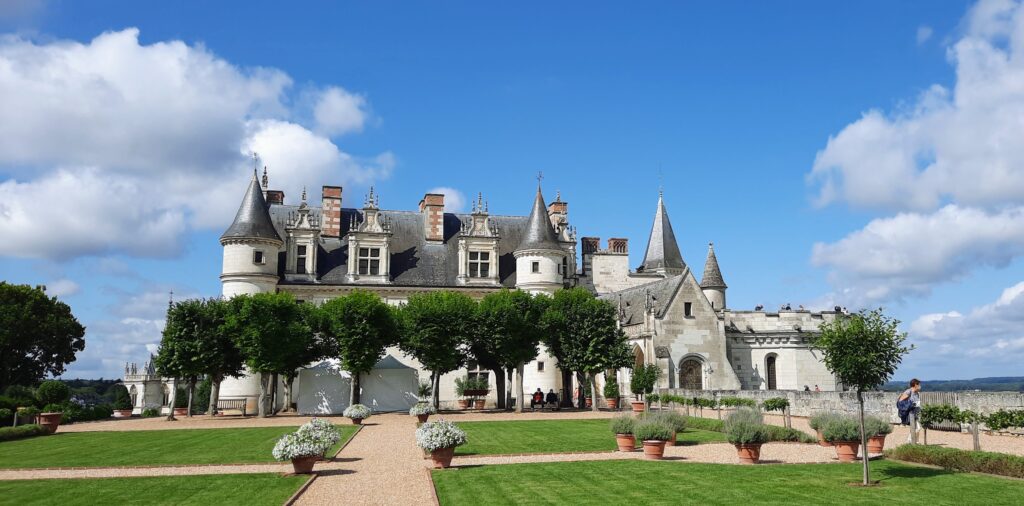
x: 479, y: 403
x: 821, y: 440
x: 590, y: 402
x: 876, y: 444
x: 463, y: 403
x: 422, y: 418
x: 357, y: 421
x: 304, y: 465
x: 672, y: 440
x: 50, y: 421
x: 180, y: 411
x: 442, y: 458
x: 625, y: 442
x: 613, y: 403
x: 846, y: 450
x: 748, y: 453
x: 638, y: 406
x: 653, y: 449
x: 123, y: 413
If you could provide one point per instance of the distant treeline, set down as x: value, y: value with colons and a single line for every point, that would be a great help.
x: 998, y: 384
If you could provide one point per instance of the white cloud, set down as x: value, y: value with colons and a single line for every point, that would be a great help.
x: 908, y: 253
x: 339, y: 112
x: 112, y: 146
x: 454, y: 200
x: 62, y: 287
x: 924, y: 32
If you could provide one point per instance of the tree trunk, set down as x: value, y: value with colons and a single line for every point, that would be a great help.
x: 582, y: 398
x: 566, y: 393
x: 214, y: 395
x: 520, y: 369
x: 593, y: 393
x: 171, y: 400
x: 499, y: 387
x: 289, y: 380
x: 437, y: 394
x: 863, y: 436
x: 191, y: 393
x: 357, y: 387
x: 975, y: 436
x: 511, y: 387
x: 264, y: 393
x: 273, y: 394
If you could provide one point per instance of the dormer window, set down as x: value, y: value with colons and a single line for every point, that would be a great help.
x: 300, y: 259
x: 258, y: 258
x: 479, y: 264
x: 369, y: 261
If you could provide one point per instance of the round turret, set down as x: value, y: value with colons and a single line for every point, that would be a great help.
x: 539, y: 255
x: 712, y: 283
x: 251, y: 246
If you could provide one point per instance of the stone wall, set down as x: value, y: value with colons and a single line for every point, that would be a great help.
x: 882, y: 404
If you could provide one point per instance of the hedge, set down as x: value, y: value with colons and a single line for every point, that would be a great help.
x: 775, y: 433
x: 21, y: 432
x: 953, y: 459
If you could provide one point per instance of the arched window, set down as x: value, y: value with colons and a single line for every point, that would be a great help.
x: 134, y: 395
x: 691, y: 374
x: 769, y: 367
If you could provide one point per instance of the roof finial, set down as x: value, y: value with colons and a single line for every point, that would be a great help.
x: 558, y: 195
x: 480, y: 201
x: 265, y: 179
x: 661, y: 182
x: 255, y: 163
x: 303, y: 192
x: 540, y: 177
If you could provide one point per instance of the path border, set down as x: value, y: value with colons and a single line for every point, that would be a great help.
x: 353, y: 436
x: 433, y: 488
x: 295, y: 496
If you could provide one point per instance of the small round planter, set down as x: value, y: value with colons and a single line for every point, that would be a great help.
x: 463, y: 403
x: 613, y: 403
x: 638, y: 406
x: 821, y: 440
x: 876, y: 444
x: 422, y: 418
x: 846, y: 450
x: 625, y: 442
x: 479, y: 403
x: 748, y: 453
x: 123, y: 413
x: 442, y: 458
x: 180, y: 411
x: 654, y: 449
x: 304, y: 465
x: 357, y: 421
x: 50, y: 421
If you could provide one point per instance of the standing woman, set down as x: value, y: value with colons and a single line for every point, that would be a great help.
x: 913, y: 395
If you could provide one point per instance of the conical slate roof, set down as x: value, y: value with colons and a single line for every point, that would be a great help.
x: 253, y: 219
x: 539, y: 234
x: 662, y: 249
x: 712, y: 274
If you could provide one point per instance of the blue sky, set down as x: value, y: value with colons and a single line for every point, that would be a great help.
x: 855, y: 154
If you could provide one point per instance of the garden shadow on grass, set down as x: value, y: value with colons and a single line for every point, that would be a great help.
x: 911, y: 472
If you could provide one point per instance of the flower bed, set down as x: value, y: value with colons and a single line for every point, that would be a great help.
x: 960, y: 460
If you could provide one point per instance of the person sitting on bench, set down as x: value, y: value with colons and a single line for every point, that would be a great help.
x: 538, y: 398
x: 552, y: 399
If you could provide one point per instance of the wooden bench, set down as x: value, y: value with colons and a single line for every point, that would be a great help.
x: 237, y: 403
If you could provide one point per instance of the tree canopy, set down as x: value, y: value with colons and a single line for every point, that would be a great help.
x: 38, y: 335
x: 508, y: 333
x: 358, y: 328
x: 436, y: 329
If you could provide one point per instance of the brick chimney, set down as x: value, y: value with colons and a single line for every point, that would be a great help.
x: 618, y: 245
x: 591, y: 244
x: 432, y: 208
x: 274, y: 197
x: 330, y: 201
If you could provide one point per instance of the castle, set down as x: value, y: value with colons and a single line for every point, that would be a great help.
x: 682, y: 325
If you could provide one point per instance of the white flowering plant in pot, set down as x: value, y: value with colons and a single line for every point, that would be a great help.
x: 357, y: 411
x: 301, y: 444
x: 422, y: 408
x: 432, y: 436
x: 322, y: 430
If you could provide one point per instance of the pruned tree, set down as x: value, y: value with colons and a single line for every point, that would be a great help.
x: 436, y: 328
x: 359, y: 327
x: 38, y: 335
x: 508, y: 335
x: 863, y: 351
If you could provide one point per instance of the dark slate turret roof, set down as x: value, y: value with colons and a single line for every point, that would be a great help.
x: 662, y: 249
x: 253, y: 219
x: 712, y: 274
x: 539, y: 233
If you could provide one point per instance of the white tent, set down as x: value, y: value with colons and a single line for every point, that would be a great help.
x: 390, y: 386
x: 323, y: 389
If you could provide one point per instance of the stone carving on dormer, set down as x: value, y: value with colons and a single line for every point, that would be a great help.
x: 478, y: 247
x: 302, y: 231
x: 369, y: 239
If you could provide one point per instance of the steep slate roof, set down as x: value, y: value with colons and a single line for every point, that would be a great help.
x: 712, y: 274
x: 253, y: 219
x: 662, y: 249
x: 414, y: 261
x: 633, y: 298
x: 539, y: 233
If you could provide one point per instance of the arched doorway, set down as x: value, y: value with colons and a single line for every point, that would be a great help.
x: 638, y: 357
x: 690, y: 374
x: 769, y: 367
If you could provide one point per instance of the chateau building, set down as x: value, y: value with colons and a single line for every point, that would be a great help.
x: 673, y: 320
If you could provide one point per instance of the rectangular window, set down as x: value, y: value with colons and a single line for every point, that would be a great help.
x: 535, y: 267
x: 369, y: 261
x: 300, y: 260
x: 688, y: 309
x: 257, y: 258
x: 540, y: 366
x: 479, y: 264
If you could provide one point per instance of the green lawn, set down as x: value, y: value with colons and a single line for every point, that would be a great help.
x: 248, y: 489
x: 666, y: 482
x: 148, y: 447
x: 548, y: 436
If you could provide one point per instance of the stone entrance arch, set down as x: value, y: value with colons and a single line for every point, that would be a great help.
x: 638, y: 357
x: 691, y: 373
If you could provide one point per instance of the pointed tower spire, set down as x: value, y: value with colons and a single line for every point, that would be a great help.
x: 662, y: 250
x: 539, y: 235
x: 712, y: 274
x: 253, y: 219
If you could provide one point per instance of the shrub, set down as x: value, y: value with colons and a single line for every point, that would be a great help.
x: 643, y: 380
x: 841, y: 429
x: 654, y: 398
x: 674, y: 420
x: 819, y: 420
x: 875, y: 426
x: 737, y: 401
x: 150, y: 412
x: 776, y: 433
x: 460, y: 386
x: 705, y: 424
x: 28, y: 412
x: 937, y: 413
x: 424, y: 390
x: 960, y: 460
x: 21, y: 432
x: 122, y: 399
x: 5, y: 416
x: 422, y: 408
x: 775, y: 404
x: 201, y: 399
x: 746, y: 426
x: 623, y: 424
x: 357, y: 411
x: 322, y: 430
x: 652, y: 429
x: 53, y: 392
x: 17, y: 395
x: 611, y: 389
x: 1004, y: 419
x: 701, y: 402
x: 439, y: 435
x: 181, y: 398
x: 301, y: 444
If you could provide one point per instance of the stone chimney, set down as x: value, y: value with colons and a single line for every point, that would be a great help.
x: 432, y: 208
x: 275, y: 197
x: 330, y: 202
x: 589, y: 246
x: 618, y: 245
